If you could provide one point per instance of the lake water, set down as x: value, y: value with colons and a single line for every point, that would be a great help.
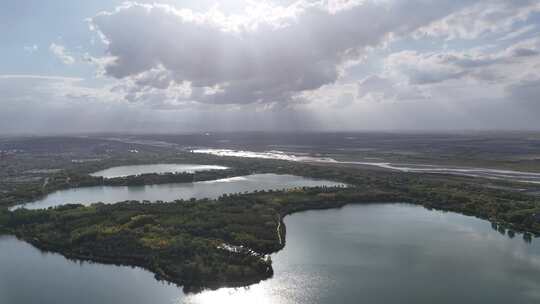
x: 154, y: 168
x: 170, y: 192
x: 384, y: 253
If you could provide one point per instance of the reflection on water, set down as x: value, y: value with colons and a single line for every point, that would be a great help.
x: 154, y: 168
x: 392, y: 253
x: 29, y: 276
x: 170, y: 192
x: 527, y: 237
x: 518, y: 176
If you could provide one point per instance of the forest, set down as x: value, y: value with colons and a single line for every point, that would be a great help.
x: 225, y: 242
x: 189, y: 242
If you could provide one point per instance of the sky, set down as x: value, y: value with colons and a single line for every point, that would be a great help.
x: 238, y: 65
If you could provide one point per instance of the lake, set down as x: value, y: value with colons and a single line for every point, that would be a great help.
x: 123, y: 171
x: 378, y: 253
x: 170, y: 192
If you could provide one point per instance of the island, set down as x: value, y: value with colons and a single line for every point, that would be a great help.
x: 224, y: 242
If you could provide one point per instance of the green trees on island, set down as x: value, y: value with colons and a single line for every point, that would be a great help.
x: 225, y: 242
x: 222, y: 242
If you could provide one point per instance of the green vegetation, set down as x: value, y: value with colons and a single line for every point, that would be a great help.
x: 184, y: 241
x: 180, y: 241
x: 76, y: 175
x: 223, y: 242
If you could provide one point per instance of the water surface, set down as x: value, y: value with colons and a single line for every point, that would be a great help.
x: 511, y: 175
x: 122, y: 171
x: 170, y: 192
x: 381, y: 253
x: 393, y: 253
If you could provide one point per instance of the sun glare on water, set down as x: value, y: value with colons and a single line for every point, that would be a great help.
x: 247, y: 295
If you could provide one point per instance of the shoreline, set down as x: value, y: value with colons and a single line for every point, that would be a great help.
x: 161, y: 273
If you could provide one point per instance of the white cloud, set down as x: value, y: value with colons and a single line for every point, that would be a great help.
x: 252, y: 58
x: 31, y: 48
x: 38, y: 77
x: 61, y: 53
x: 433, y: 67
x: 524, y: 48
x: 500, y: 66
x: 376, y: 88
x: 326, y: 64
x: 519, y: 32
x: 41, y: 104
x: 484, y: 17
x: 49, y: 89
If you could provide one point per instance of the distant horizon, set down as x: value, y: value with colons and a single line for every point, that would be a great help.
x: 210, y: 132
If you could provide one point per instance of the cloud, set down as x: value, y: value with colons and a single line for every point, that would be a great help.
x: 60, y: 52
x: 435, y: 67
x: 482, y: 18
x: 19, y: 89
x: 519, y: 32
x: 376, y: 88
x: 526, y: 91
x: 39, y: 77
x: 524, y: 48
x: 45, y: 103
x: 294, y: 64
x: 56, y: 104
x: 241, y: 59
x: 425, y: 68
x: 31, y: 48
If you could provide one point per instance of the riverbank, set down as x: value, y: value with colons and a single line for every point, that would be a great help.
x: 181, y: 241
